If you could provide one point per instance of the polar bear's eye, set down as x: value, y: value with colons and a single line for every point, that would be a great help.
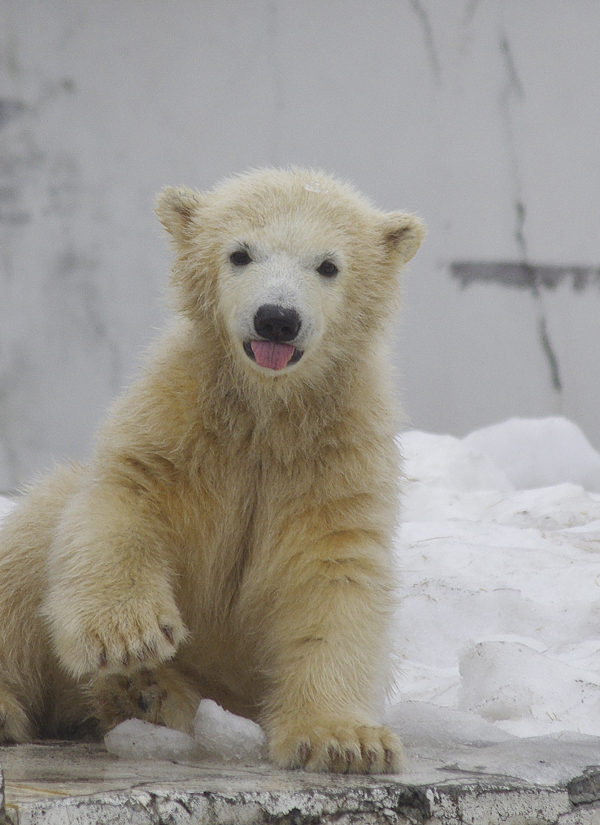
x: 328, y: 269
x: 240, y: 258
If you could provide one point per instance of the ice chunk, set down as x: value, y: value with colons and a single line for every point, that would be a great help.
x: 223, y: 735
x: 446, y: 461
x: 136, y: 739
x: 539, y: 452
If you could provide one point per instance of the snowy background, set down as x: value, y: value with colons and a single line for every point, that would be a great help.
x: 497, y: 632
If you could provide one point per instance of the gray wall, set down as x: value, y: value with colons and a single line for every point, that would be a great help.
x: 482, y: 116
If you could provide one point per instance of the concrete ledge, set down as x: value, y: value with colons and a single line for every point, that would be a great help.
x: 79, y: 784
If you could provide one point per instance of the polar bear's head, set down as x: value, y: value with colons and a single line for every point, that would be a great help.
x: 292, y: 269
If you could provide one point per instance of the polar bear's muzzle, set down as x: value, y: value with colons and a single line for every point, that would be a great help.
x: 276, y: 328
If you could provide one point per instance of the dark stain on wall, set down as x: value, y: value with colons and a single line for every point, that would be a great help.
x: 534, y: 278
x: 524, y: 275
x: 9, y: 109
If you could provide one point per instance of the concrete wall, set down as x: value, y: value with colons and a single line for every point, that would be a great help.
x: 480, y: 115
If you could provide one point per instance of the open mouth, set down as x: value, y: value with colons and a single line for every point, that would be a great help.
x: 272, y: 355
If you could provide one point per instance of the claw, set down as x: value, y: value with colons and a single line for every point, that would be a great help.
x: 168, y: 634
x: 147, y: 652
x: 304, y: 750
x: 103, y: 658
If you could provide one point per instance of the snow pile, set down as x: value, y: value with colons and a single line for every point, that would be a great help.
x: 499, y: 613
x: 538, y: 452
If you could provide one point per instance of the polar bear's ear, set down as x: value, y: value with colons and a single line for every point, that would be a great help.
x: 402, y: 234
x: 176, y: 207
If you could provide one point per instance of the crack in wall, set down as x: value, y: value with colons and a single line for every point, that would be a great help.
x: 550, y: 354
x: 466, y: 26
x: 470, y: 12
x: 427, y: 30
x: 514, y: 81
x: 514, y: 89
x: 277, y: 80
x: 520, y: 228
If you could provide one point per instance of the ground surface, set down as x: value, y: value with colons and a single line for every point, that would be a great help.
x: 78, y: 784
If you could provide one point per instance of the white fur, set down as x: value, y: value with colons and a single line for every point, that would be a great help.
x: 231, y: 536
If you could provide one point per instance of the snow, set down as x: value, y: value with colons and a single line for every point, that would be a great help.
x: 225, y: 736
x: 142, y: 740
x: 539, y: 452
x: 497, y: 629
x: 218, y: 735
x: 499, y: 604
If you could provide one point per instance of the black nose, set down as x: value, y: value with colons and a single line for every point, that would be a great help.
x: 275, y: 323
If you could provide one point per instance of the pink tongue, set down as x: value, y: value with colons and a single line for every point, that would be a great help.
x: 270, y: 355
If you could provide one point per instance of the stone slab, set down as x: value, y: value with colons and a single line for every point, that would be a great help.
x: 81, y: 784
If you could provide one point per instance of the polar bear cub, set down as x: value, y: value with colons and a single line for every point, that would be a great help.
x: 231, y: 536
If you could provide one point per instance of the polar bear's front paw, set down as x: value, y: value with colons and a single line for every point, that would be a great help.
x: 339, y: 747
x: 120, y: 637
